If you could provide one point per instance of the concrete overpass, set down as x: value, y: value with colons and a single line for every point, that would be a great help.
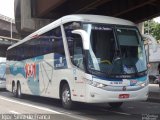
x: 8, y: 34
x: 5, y: 42
x: 31, y: 15
x: 7, y: 27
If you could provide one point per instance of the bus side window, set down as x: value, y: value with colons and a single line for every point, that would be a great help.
x: 74, y: 44
x: 58, y: 49
x: 77, y: 57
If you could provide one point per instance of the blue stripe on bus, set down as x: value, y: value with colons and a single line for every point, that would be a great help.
x: 119, y: 79
x: 142, y: 78
x: 107, y: 79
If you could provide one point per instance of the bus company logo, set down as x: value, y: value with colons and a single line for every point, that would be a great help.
x: 60, y: 63
x: 133, y: 82
x: 30, y: 70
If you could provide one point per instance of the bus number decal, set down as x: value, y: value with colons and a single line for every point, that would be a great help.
x: 133, y: 82
x: 30, y: 70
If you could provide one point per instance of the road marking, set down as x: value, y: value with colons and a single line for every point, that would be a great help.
x: 40, y: 108
x: 116, y: 112
x: 14, y: 112
x: 29, y: 105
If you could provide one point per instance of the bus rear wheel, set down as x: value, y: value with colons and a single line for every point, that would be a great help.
x: 66, y: 97
x: 14, y: 89
x: 116, y: 104
x: 19, y: 93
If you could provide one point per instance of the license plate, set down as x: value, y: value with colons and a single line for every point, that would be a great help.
x: 123, y: 96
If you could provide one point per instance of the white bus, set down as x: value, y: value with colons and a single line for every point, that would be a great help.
x: 84, y: 58
x: 2, y: 74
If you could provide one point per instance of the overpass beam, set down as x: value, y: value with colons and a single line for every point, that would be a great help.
x: 89, y: 5
x: 45, y: 6
x: 132, y: 7
x: 28, y: 23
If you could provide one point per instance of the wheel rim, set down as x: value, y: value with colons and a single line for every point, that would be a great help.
x: 19, y: 91
x: 14, y: 89
x: 66, y: 96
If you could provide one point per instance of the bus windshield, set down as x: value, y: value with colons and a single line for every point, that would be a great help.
x: 115, y: 50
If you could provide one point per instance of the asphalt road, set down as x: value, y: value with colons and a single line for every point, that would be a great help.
x: 52, y: 109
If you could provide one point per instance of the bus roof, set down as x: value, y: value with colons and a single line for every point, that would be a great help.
x: 78, y: 17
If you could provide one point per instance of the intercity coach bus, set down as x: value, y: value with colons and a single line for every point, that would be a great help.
x: 83, y: 58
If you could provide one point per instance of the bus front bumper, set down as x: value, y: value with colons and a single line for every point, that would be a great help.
x: 98, y: 95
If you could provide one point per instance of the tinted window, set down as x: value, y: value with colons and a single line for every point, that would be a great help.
x: 74, y: 44
x: 49, y: 42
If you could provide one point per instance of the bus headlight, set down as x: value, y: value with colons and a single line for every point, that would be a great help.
x: 100, y: 85
x: 96, y: 84
x: 143, y: 84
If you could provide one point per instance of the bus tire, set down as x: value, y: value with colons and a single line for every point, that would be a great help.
x: 66, y: 97
x: 115, y: 104
x: 14, y: 89
x: 19, y: 93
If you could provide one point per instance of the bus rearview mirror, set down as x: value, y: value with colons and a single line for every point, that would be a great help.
x: 85, y: 38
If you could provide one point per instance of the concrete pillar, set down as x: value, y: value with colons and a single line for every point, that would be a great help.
x: 141, y: 27
x: 28, y: 23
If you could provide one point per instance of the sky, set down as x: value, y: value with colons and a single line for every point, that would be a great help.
x: 157, y: 19
x: 7, y: 8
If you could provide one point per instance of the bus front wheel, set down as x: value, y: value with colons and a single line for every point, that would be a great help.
x: 116, y: 104
x: 66, y: 97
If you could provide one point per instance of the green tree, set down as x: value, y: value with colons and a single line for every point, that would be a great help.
x: 152, y: 28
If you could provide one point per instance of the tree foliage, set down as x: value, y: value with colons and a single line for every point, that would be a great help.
x: 152, y: 28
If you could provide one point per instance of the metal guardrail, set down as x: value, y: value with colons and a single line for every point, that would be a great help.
x: 7, y: 40
x: 5, y: 18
